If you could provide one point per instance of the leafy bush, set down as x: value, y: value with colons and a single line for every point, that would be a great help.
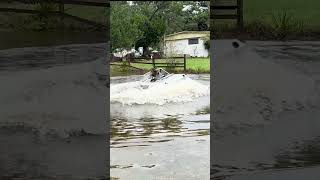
x: 282, y: 26
x: 44, y: 20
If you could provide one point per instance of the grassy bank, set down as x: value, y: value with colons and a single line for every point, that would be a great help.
x: 32, y: 22
x: 306, y: 10
x: 194, y: 66
x: 275, y: 20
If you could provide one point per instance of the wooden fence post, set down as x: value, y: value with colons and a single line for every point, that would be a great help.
x: 61, y: 11
x: 184, y: 62
x: 240, y: 13
x: 128, y: 58
x: 153, y: 62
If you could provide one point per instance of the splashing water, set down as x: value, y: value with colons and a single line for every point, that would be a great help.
x: 174, y: 89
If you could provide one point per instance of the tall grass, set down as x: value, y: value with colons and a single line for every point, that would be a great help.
x: 284, y: 25
x: 43, y: 20
x: 281, y: 25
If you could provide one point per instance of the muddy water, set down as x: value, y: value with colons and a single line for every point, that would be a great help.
x: 161, y: 142
x: 274, y: 134
x: 21, y: 39
x: 48, y: 126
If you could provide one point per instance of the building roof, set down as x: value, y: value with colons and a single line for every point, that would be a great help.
x: 187, y: 35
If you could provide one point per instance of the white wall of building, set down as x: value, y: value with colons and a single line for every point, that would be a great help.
x: 181, y: 46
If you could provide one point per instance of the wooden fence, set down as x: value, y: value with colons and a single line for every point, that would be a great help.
x: 224, y: 9
x: 158, y: 64
x: 164, y: 64
x: 61, y: 12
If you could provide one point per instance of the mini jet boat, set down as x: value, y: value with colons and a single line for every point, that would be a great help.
x: 158, y: 87
x: 156, y: 77
x: 161, y: 76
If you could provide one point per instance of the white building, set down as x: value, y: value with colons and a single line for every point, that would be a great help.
x: 186, y: 42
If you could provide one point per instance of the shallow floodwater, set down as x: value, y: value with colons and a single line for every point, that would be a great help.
x: 21, y: 39
x: 48, y: 126
x: 272, y: 130
x: 168, y: 141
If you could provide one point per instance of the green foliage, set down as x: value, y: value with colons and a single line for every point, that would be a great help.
x: 150, y: 20
x: 154, y: 26
x: 124, y: 25
x: 197, y: 15
x: 153, y: 31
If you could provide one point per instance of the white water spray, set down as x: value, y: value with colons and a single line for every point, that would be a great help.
x: 175, y: 89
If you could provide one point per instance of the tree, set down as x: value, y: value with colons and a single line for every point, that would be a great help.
x: 153, y: 32
x: 154, y: 26
x: 196, y: 15
x: 144, y: 23
x: 125, y: 22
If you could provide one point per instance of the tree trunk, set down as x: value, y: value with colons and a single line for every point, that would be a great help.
x: 146, y: 52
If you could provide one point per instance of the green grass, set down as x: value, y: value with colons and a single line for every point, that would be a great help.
x: 119, y: 71
x: 194, y: 66
x: 202, y: 64
x: 298, y: 20
x: 304, y: 10
x: 97, y: 14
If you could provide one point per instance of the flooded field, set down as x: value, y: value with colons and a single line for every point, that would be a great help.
x: 267, y: 120
x: 170, y: 141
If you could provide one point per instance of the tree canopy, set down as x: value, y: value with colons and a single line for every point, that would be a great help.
x: 144, y: 23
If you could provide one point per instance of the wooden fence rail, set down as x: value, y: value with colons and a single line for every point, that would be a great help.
x: 159, y: 64
x: 167, y: 64
x: 100, y: 3
x: 228, y: 11
x: 61, y: 11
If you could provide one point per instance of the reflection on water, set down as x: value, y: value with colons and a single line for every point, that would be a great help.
x: 285, y: 146
x: 307, y: 52
x: 144, y: 127
x: 156, y: 137
x: 300, y: 155
x: 20, y: 39
x: 303, y: 154
x: 147, y: 130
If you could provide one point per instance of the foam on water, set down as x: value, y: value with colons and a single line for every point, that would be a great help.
x: 55, y: 99
x: 174, y: 90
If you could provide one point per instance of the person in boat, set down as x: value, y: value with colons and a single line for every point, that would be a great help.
x: 157, y: 74
x: 154, y: 74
